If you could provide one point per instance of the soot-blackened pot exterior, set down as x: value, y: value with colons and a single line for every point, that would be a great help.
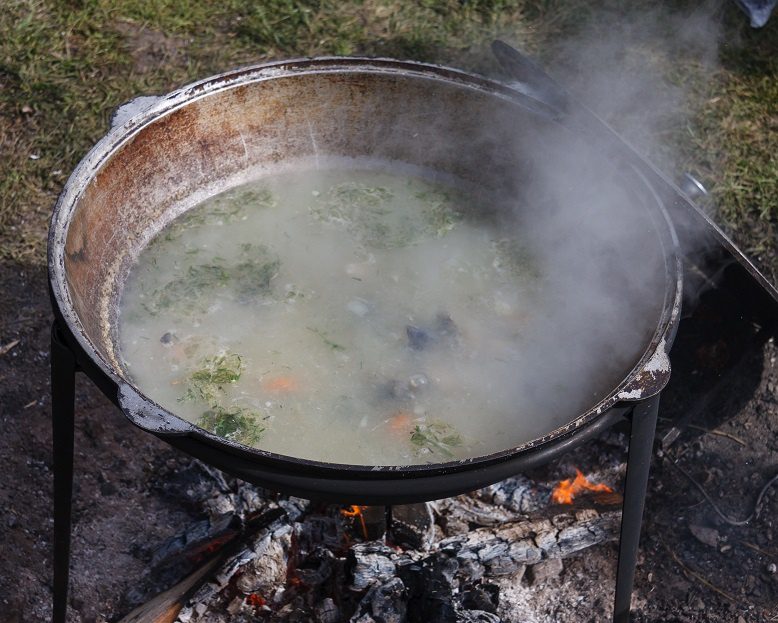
x: 228, y: 129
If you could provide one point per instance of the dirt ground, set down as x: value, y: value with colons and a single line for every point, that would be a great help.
x: 693, y: 566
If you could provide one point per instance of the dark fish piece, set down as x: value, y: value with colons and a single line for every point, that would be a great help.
x: 397, y: 390
x: 418, y: 339
x: 444, y: 326
x: 168, y: 338
x: 407, y: 389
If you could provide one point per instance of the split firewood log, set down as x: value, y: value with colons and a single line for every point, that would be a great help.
x: 165, y: 607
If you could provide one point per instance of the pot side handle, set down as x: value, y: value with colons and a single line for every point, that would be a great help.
x: 149, y: 416
x: 131, y: 108
x: 651, y: 379
x: 531, y: 79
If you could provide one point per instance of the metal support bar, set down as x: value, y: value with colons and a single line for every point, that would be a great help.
x: 63, y: 390
x: 388, y: 521
x: 641, y: 442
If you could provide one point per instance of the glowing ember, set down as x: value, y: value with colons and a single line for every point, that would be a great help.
x: 356, y: 511
x: 566, y: 490
x: 255, y: 600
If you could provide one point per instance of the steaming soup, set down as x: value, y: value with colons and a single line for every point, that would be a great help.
x: 348, y: 316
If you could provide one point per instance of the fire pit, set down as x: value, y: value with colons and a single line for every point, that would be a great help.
x: 227, y: 130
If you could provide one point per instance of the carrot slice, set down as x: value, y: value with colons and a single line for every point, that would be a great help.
x: 280, y: 384
x: 400, y: 423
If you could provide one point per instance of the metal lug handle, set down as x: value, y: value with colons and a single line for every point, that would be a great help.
x: 651, y: 379
x: 693, y: 187
x: 149, y: 416
x: 533, y: 81
x: 131, y: 108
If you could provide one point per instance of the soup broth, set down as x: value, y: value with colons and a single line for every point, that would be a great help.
x: 344, y: 316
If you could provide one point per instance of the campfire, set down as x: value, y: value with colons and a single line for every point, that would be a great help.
x: 460, y: 558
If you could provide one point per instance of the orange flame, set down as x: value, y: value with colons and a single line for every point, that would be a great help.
x: 356, y: 511
x: 566, y: 490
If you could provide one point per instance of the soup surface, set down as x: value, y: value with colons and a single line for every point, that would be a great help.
x: 344, y: 316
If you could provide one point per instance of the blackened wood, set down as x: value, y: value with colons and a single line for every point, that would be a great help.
x: 370, y: 563
x: 182, y: 554
x: 385, y: 602
x: 164, y: 608
x: 199, y: 538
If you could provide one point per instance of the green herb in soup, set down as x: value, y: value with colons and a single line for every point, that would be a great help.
x: 195, y: 286
x: 184, y: 293
x: 227, y: 208
x: 208, y: 383
x: 337, y: 315
x: 326, y: 340
x: 234, y: 423
x: 436, y: 437
x: 442, y: 211
x: 374, y: 216
x: 252, y: 276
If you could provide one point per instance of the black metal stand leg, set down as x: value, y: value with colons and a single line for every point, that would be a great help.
x: 388, y: 521
x: 641, y: 442
x: 63, y: 381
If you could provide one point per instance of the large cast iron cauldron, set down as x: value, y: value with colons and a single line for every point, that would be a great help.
x: 205, y: 137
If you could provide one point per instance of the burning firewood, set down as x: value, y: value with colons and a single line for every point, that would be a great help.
x: 566, y: 491
x: 165, y: 607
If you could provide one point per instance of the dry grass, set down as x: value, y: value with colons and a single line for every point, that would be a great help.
x: 64, y: 66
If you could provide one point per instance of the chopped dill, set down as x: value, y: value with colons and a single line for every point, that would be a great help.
x: 327, y: 341
x: 193, y: 288
x: 436, y: 437
x: 208, y: 382
x: 228, y: 207
x: 379, y: 219
x: 252, y: 276
x: 257, y: 198
x: 184, y: 293
x: 355, y: 195
x: 439, y: 210
x: 513, y: 257
x: 234, y: 423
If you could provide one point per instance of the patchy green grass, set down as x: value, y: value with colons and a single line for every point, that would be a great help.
x: 734, y: 139
x: 65, y: 65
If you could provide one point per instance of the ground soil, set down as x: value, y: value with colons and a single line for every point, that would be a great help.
x: 694, y: 567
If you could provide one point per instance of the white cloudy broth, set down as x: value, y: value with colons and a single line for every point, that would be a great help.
x: 344, y: 316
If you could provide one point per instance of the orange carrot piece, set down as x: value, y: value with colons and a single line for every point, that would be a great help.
x: 280, y: 384
x: 400, y: 423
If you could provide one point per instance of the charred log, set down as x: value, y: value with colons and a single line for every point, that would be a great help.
x: 504, y: 550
